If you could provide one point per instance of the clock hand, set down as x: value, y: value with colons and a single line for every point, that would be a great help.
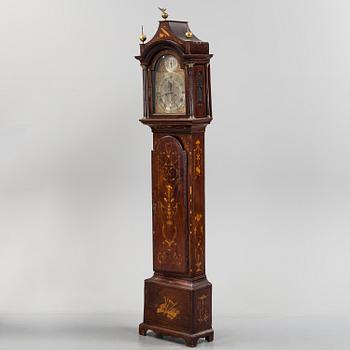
x: 170, y: 86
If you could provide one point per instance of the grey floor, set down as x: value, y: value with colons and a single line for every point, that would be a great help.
x: 105, y: 332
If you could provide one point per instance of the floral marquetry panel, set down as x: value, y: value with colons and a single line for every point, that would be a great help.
x: 169, y: 204
x: 196, y: 206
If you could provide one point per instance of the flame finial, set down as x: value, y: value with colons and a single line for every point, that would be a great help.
x: 164, y: 12
x: 142, y: 37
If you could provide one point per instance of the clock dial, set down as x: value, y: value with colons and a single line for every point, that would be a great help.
x: 171, y: 93
x: 171, y: 63
x: 169, y: 90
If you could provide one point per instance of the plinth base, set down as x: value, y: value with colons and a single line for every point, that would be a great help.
x: 190, y: 339
x: 178, y: 307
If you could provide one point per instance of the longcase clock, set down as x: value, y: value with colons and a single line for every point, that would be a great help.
x: 177, y: 107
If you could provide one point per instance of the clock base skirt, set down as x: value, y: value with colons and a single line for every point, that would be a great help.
x: 190, y: 339
x: 179, y: 308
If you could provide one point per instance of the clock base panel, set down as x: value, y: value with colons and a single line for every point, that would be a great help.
x: 179, y: 308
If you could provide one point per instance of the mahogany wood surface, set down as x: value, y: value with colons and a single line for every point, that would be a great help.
x: 178, y: 297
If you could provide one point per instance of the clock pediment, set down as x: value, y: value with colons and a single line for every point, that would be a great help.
x: 178, y: 33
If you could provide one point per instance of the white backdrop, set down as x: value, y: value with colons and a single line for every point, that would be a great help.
x: 75, y: 199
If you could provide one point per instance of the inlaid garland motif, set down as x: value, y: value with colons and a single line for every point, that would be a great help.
x: 168, y: 308
x: 169, y: 158
x: 169, y: 207
x: 198, y: 241
x: 202, y: 308
x: 198, y: 158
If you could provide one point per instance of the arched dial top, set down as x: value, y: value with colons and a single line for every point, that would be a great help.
x: 169, y: 86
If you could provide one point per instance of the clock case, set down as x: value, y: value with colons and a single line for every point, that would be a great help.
x: 178, y: 298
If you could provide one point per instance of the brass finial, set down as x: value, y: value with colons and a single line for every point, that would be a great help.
x: 188, y: 34
x: 142, y: 37
x: 164, y: 12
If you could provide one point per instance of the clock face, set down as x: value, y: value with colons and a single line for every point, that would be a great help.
x: 169, y: 86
